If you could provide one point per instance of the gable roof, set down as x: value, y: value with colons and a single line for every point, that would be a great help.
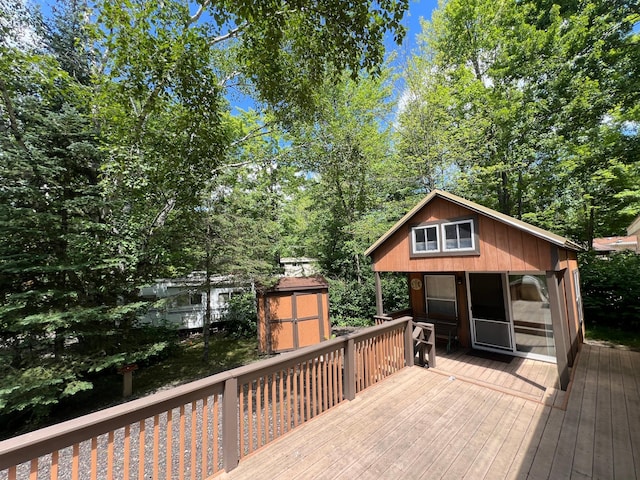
x: 634, y: 228
x: 612, y: 244
x: 488, y: 212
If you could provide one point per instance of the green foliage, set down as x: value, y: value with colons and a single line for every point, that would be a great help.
x: 351, y: 302
x: 241, y: 317
x: 611, y: 290
x: 530, y: 108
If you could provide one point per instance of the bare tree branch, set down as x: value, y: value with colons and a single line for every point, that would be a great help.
x: 230, y: 34
x: 196, y: 16
x: 223, y: 83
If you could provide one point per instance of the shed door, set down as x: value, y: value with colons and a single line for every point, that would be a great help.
x: 281, y: 323
x: 295, y: 321
x: 490, y: 325
x: 308, y: 319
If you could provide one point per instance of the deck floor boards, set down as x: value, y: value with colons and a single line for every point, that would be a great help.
x: 473, y: 418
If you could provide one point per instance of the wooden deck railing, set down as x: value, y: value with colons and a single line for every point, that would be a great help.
x: 201, y: 428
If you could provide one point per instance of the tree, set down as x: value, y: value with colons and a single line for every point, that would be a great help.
x: 533, y: 109
x: 61, y: 312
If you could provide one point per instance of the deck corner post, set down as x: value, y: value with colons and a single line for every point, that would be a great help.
x: 560, y: 330
x: 350, y: 370
x: 409, y: 354
x: 230, y: 434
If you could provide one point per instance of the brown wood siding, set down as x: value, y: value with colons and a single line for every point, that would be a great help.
x: 502, y: 248
x: 416, y: 297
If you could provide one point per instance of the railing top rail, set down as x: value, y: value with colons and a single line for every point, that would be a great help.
x: 25, y: 447
x: 308, y: 353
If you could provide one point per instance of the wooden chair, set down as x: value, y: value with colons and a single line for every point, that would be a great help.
x: 424, y: 340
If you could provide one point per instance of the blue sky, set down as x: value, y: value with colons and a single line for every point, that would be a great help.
x: 417, y: 9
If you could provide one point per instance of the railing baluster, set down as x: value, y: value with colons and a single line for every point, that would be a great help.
x: 281, y: 396
x: 94, y: 458
x: 127, y: 450
x: 156, y: 447
x: 290, y: 405
x: 194, y: 432
x: 141, y: 450
x: 181, y: 444
x: 259, y: 411
x: 55, y: 458
x: 274, y: 406
x: 75, y: 462
x: 169, y: 444
x: 205, y: 437
x: 307, y: 375
x: 325, y: 380
x: 249, y: 420
x: 110, y: 439
x: 33, y: 474
x: 12, y: 473
x: 296, y: 389
x: 216, y: 432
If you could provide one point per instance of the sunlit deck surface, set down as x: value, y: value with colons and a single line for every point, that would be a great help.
x: 473, y: 418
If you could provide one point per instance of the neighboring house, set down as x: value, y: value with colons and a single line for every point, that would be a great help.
x: 299, y: 266
x: 488, y: 280
x: 607, y: 245
x: 184, y: 301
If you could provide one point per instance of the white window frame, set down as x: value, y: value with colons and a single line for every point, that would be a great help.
x: 415, y: 243
x: 458, y: 249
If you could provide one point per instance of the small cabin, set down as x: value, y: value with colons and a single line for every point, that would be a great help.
x: 486, y: 280
x: 294, y: 313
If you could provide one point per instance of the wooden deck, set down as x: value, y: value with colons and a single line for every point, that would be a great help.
x: 473, y: 423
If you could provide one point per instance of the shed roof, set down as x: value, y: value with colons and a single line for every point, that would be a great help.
x: 290, y: 284
x: 500, y: 217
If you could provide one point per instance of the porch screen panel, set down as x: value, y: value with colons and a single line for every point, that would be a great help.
x: 492, y: 333
x: 531, y: 315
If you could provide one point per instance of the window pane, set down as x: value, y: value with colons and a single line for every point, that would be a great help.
x: 432, y: 238
x: 441, y: 307
x: 450, y: 232
x: 420, y: 243
x: 441, y: 286
x: 464, y: 231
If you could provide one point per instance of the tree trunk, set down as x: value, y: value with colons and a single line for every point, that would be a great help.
x: 591, y: 225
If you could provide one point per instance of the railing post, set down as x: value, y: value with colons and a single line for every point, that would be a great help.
x: 409, y: 354
x: 230, y: 424
x: 350, y: 370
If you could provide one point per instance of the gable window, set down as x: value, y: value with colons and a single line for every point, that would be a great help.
x: 458, y: 235
x: 425, y: 239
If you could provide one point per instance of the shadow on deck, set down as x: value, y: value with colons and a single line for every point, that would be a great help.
x: 475, y: 418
